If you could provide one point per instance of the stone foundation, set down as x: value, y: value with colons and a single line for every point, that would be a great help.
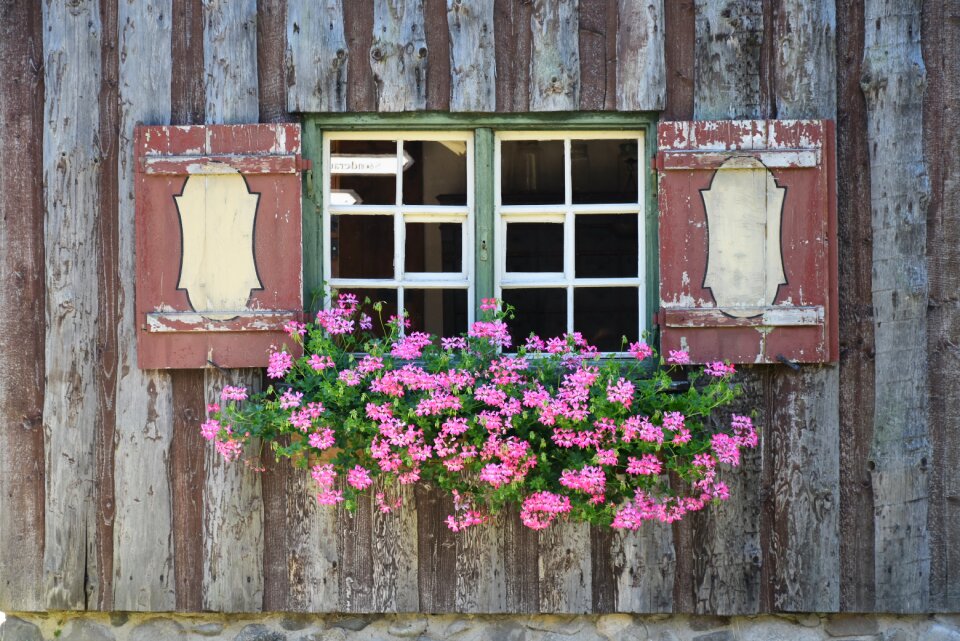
x: 615, y: 627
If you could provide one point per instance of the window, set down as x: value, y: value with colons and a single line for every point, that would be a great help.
x: 433, y: 212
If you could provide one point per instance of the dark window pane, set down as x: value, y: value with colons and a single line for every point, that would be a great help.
x: 386, y: 296
x: 441, y: 312
x: 434, y: 247
x: 604, y: 314
x: 534, y: 247
x: 350, y: 156
x: 531, y: 172
x: 541, y: 311
x: 437, y: 174
x: 361, y: 246
x: 604, y: 171
x: 606, y: 245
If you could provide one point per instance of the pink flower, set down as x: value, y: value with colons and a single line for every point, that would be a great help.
x: 606, y: 457
x: 726, y: 449
x: 330, y: 497
x: 293, y: 328
x: 679, y: 357
x: 719, y: 368
x: 233, y: 393
x: 210, y: 429
x: 359, y: 478
x: 319, y: 363
x: 230, y: 449
x: 648, y: 464
x: 640, y: 350
x: 279, y: 364
x: 540, y: 509
x: 325, y: 475
x: 488, y: 303
x: 621, y: 392
x: 450, y: 344
x: 290, y: 399
x: 590, y: 479
x: 495, y: 332
x: 350, y: 377
x: 387, y: 506
x: 366, y: 323
x: 744, y: 431
x: 322, y: 440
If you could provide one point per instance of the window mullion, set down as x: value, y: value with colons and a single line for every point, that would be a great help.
x: 569, y: 245
x: 485, y: 172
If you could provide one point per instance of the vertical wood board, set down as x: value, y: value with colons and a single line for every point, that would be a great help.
x: 398, y: 55
x: 472, y: 56
x: 317, y: 56
x: 555, y: 56
x: 641, y: 71
x: 230, y: 61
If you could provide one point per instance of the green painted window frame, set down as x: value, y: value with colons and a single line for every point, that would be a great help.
x: 483, y: 125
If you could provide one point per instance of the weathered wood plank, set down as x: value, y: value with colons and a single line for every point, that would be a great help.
x: 513, y: 41
x: 855, y: 238
x: 436, y: 551
x: 679, y: 25
x: 358, y: 22
x: 143, y: 546
x: 565, y: 569
x: 641, y: 73
x: 271, y: 55
x: 728, y: 59
x: 233, y: 517
x: 480, y: 571
x: 317, y: 56
x: 521, y: 550
x: 803, y: 466
x: 230, y: 61
x: 21, y: 334
x: 71, y: 166
x: 603, y: 570
x: 310, y: 549
x: 597, y: 32
x: 354, y: 538
x: 893, y: 81
x: 398, y: 55
x: 438, y: 49
x: 394, y: 547
x: 941, y: 29
x: 644, y: 563
x: 555, y: 56
x: 472, y: 57
x: 188, y: 97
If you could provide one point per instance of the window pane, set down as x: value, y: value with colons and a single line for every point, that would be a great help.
x: 363, y: 172
x: 386, y: 296
x: 361, y: 246
x: 604, y: 171
x: 541, y: 311
x: 438, y: 173
x: 534, y: 247
x: 441, y: 312
x: 434, y: 247
x: 604, y: 314
x: 531, y: 172
x: 606, y: 245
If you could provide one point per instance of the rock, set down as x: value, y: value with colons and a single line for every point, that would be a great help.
x: 895, y: 634
x: 354, y: 624
x: 723, y: 635
x: 406, y: 628
x: 211, y: 629
x: 809, y: 620
x: 851, y: 625
x: 84, y: 630
x: 939, y: 632
x: 949, y: 620
x: 257, y: 632
x: 14, y: 629
x: 456, y: 627
x: 119, y: 619
x: 610, y: 625
x: 333, y: 634
x: 158, y: 630
x: 669, y: 635
x: 295, y: 622
x: 563, y: 625
x: 703, y: 622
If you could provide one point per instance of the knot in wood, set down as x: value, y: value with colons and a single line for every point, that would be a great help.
x: 376, y: 54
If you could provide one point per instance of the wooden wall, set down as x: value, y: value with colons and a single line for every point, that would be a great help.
x: 109, y: 499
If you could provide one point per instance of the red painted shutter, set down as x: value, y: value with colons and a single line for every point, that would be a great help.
x: 748, y: 247
x: 219, y: 268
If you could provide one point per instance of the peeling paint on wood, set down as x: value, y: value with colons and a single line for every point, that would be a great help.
x: 317, y: 56
x: 143, y: 547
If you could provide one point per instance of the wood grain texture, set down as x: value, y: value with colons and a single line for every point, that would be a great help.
x: 893, y: 82
x: 554, y: 56
x: 354, y: 538
x: 230, y: 61
x: 437, y: 551
x: 233, y: 516
x: 71, y: 166
x: 521, y: 551
x: 855, y: 238
x: 437, y: 35
x: 941, y: 28
x: 679, y: 25
x: 313, y: 565
x: 317, y: 56
x: 641, y: 74
x: 143, y: 545
x: 729, y: 38
x: 398, y: 55
x: 188, y: 455
x: 271, y: 56
x: 644, y: 569
x: 187, y: 94
x: 802, y: 552
x: 565, y: 569
x: 598, y: 54
x: 21, y: 334
x: 394, y: 548
x: 473, y: 67
x: 480, y: 569
x: 358, y: 25
x: 513, y: 39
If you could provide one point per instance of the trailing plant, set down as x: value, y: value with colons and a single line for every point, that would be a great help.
x: 553, y: 427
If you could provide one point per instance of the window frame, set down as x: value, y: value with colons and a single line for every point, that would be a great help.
x: 484, y: 233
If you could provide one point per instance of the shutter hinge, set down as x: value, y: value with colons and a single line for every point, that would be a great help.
x: 656, y: 162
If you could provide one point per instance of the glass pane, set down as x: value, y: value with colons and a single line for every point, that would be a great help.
x: 534, y: 247
x: 604, y: 314
x: 436, y: 173
x: 434, y: 247
x: 363, y: 172
x: 361, y: 246
x: 386, y: 296
x: 604, y: 171
x: 531, y: 172
x: 541, y: 311
x: 606, y: 245
x: 441, y: 312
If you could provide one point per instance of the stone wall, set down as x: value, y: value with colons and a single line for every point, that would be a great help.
x: 616, y: 627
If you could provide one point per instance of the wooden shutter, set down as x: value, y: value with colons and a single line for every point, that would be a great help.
x: 218, y: 243
x: 748, y: 247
